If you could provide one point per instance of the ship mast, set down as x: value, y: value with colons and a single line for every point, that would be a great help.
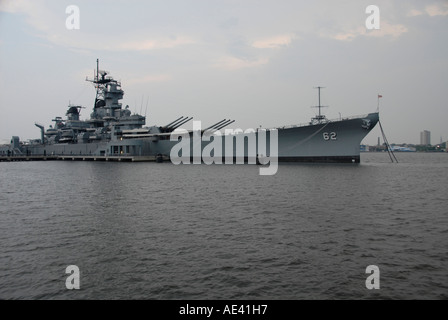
x: 319, y: 118
x: 100, y: 81
x: 97, y: 68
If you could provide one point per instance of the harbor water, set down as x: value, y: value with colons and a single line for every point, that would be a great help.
x: 161, y: 231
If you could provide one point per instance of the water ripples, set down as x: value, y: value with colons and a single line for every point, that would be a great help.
x: 158, y: 231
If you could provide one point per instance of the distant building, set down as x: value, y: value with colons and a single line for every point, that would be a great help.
x: 402, y: 149
x: 425, y: 137
x: 364, y: 148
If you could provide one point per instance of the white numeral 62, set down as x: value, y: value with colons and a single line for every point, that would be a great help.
x: 329, y: 136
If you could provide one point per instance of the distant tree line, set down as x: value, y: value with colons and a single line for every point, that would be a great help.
x: 431, y: 148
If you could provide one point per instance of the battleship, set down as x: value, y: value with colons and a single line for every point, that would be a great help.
x: 114, y: 133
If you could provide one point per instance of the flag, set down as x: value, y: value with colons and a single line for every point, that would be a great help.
x: 380, y: 96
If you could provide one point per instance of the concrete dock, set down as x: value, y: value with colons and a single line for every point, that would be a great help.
x: 82, y: 158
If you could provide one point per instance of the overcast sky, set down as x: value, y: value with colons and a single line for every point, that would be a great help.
x: 252, y: 61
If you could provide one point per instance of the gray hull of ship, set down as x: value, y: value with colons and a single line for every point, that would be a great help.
x: 333, y: 141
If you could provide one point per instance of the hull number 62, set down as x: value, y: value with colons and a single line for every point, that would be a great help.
x: 330, y: 136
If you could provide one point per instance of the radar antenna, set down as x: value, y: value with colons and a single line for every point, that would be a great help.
x: 100, y: 81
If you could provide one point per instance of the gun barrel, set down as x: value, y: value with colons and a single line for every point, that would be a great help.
x: 172, y: 122
x: 181, y: 123
x: 216, y: 124
x: 225, y: 124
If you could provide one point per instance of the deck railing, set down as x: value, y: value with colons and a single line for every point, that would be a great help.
x: 326, y: 120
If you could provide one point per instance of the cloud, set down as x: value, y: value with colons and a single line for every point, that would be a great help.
x: 437, y: 10
x: 392, y: 30
x: 12, y: 6
x: 430, y: 10
x: 229, y: 23
x: 148, y: 78
x: 414, y: 13
x: 386, y: 30
x: 36, y: 15
x: 232, y: 63
x: 141, y: 44
x: 273, y: 42
x: 49, y: 24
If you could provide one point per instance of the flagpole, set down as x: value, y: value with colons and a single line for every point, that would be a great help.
x: 378, y: 104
